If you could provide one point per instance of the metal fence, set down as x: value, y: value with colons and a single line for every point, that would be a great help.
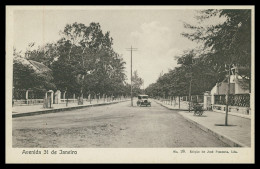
x: 194, y: 98
x: 241, y: 100
x: 21, y: 97
x: 28, y: 97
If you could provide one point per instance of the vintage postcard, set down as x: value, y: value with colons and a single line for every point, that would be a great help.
x: 130, y: 84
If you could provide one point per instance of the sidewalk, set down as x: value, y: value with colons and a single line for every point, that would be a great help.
x: 185, y: 106
x: 237, y: 134
x: 29, y: 110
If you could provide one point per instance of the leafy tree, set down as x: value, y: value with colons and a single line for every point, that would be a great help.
x: 25, y: 77
x: 226, y: 45
x: 177, y: 81
x: 229, y: 43
x: 137, y: 82
x: 22, y: 75
x: 83, y: 61
x: 45, y: 54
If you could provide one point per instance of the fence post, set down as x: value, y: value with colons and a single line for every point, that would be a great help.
x: 52, y: 97
x: 179, y: 102
x: 57, y: 97
x: 26, y: 96
x: 64, y: 95
x: 90, y: 98
x: 67, y: 101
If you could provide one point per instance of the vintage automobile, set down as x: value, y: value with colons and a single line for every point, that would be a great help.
x: 143, y: 100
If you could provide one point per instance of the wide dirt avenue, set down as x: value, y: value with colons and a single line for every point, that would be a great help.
x: 111, y: 126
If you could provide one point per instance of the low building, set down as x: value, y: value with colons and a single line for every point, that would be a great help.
x: 25, y: 84
x: 239, y: 94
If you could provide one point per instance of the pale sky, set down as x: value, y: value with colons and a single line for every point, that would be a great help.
x: 156, y: 34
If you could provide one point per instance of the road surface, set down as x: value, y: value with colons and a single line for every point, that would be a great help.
x: 113, y: 126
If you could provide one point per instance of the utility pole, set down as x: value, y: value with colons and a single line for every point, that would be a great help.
x: 190, y: 94
x: 131, y: 49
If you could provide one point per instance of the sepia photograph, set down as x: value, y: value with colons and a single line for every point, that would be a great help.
x: 130, y: 84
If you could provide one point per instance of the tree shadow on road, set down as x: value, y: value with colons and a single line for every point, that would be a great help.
x: 200, y: 116
x: 229, y: 125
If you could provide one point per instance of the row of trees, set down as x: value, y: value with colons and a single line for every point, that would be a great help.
x: 178, y: 81
x: 82, y: 62
x: 225, y: 45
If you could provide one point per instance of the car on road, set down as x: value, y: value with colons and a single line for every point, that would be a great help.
x: 143, y: 100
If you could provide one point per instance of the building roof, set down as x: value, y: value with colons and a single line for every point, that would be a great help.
x: 243, y: 84
x: 39, y: 66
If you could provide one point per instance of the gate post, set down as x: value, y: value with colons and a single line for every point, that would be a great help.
x: 207, y: 100
x: 179, y: 102
x: 26, y: 96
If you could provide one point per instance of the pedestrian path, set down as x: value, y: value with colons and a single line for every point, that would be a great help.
x: 183, y: 105
x: 236, y: 134
x: 39, y: 107
x: 25, y: 110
